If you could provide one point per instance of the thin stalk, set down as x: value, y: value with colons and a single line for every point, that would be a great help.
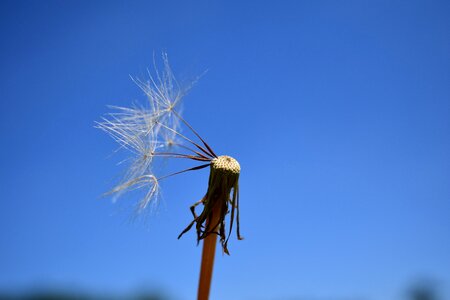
x: 189, y: 149
x: 187, y: 139
x: 180, y: 155
x: 209, y: 251
x: 195, y: 132
x: 186, y: 170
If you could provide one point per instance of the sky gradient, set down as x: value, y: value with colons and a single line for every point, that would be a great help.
x: 338, y: 112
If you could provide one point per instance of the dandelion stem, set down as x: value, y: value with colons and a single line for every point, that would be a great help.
x: 209, y: 251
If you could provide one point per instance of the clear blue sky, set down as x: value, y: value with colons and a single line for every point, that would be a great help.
x: 338, y: 111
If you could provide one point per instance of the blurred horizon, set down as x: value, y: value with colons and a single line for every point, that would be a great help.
x: 338, y: 113
x: 419, y: 290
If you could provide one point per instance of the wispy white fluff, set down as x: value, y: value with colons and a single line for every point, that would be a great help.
x: 144, y: 129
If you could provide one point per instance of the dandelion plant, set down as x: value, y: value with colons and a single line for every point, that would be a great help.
x: 152, y: 131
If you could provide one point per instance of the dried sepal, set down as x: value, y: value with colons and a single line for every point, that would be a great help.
x: 223, y: 183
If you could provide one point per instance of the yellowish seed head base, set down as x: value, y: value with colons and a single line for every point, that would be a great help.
x: 226, y: 164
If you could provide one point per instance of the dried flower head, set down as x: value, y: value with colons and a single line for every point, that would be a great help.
x: 153, y: 131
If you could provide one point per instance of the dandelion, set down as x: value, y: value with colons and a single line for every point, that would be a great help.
x: 153, y: 131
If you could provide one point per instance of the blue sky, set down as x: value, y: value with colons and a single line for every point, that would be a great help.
x: 338, y: 112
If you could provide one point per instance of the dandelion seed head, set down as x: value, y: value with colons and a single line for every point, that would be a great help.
x: 145, y: 129
x: 226, y: 164
x: 152, y: 131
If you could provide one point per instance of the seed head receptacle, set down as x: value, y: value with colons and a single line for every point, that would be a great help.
x: 223, y: 182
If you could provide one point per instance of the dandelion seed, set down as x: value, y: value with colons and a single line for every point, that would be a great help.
x: 153, y: 131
